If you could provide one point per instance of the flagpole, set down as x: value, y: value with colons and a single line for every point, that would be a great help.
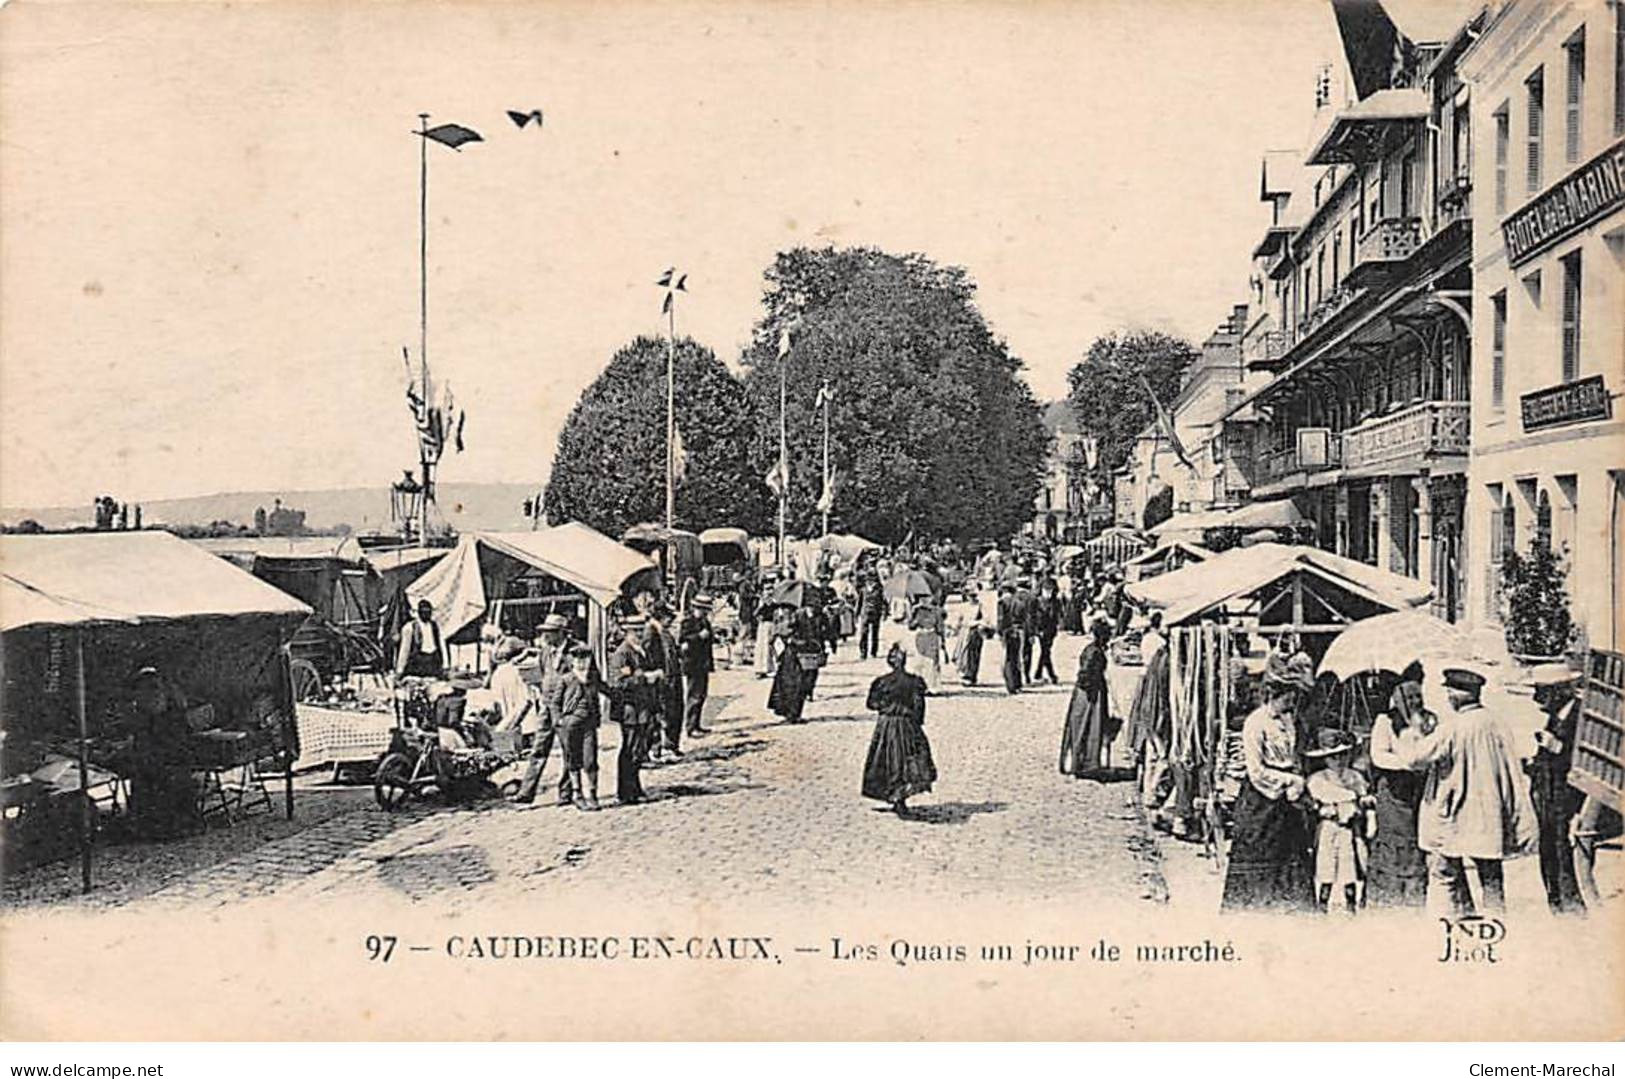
x: 671, y: 411
x: 423, y: 315
x: 784, y: 456
x: 828, y: 497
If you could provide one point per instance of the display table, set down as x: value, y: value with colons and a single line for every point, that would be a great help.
x: 340, y: 737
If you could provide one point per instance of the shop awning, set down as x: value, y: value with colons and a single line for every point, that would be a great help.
x: 1202, y: 587
x: 1361, y: 131
x: 128, y: 577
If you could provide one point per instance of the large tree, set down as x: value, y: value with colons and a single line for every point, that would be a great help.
x: 1108, y: 390
x: 610, y: 468
x: 932, y: 429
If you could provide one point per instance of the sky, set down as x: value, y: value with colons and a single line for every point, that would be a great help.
x: 210, y: 215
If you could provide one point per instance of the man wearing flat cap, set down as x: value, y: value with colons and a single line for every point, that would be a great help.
x: 1475, y: 806
x: 553, y: 660
x: 635, y: 681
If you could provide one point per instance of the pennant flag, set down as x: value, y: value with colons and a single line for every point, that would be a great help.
x: 784, y: 343
x: 453, y: 135
x: 520, y: 119
x: 461, y: 416
x: 1166, y: 422
x: 665, y: 282
x: 776, y: 480
x: 825, y: 395
x: 826, y: 501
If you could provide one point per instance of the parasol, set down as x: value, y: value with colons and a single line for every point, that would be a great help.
x: 792, y: 593
x: 910, y: 584
x: 1390, y: 642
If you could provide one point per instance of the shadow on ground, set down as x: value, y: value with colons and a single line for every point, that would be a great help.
x: 952, y: 812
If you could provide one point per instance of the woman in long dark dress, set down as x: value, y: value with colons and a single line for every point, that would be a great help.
x: 792, y: 684
x: 1269, y: 857
x: 899, y: 765
x: 969, y: 655
x: 1088, y: 715
x: 1398, y: 871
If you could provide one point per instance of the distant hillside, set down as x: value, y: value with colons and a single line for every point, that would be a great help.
x: 467, y: 506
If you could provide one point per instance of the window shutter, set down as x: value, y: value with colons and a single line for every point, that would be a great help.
x: 1571, y: 318
x: 1502, y: 135
x: 1576, y: 92
x: 1537, y: 108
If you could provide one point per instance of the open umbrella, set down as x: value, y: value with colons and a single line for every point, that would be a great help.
x: 1390, y: 642
x: 910, y: 584
x: 792, y: 593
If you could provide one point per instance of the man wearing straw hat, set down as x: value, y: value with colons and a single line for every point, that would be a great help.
x: 635, y: 677
x: 1555, y: 801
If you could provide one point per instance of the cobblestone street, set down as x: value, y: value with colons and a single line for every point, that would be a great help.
x: 757, y: 808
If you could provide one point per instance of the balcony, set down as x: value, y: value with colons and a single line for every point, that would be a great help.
x: 1407, y: 439
x: 1385, y: 248
x: 1269, y: 350
x: 1279, y: 466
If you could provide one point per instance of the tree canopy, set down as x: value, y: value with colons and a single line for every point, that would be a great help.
x: 932, y: 431
x: 610, y: 468
x: 1108, y: 397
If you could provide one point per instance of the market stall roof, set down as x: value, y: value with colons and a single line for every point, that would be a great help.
x: 248, y: 548
x: 395, y: 558
x: 1194, y: 551
x: 1203, y: 586
x: 1280, y: 513
x: 846, y: 545
x: 1115, y: 535
x: 574, y: 553
x: 131, y: 577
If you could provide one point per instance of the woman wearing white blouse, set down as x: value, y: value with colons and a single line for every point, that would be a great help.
x: 1269, y: 857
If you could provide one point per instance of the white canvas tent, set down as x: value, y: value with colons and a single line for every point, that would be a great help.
x: 463, y: 587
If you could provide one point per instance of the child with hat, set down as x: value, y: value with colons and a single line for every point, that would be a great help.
x: 1343, y: 801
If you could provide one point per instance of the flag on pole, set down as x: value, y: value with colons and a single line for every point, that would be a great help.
x: 520, y: 119
x: 825, y: 395
x: 777, y: 481
x: 461, y: 416
x: 666, y: 282
x: 1166, y: 422
x: 784, y: 343
x: 826, y: 501
x: 453, y: 135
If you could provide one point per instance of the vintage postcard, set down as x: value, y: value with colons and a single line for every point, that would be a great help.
x: 719, y: 520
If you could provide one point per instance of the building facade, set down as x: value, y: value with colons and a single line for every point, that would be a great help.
x: 1069, y: 507
x: 1548, y: 357
x: 1366, y: 271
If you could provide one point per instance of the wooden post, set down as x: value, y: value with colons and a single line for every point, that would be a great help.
x: 86, y: 825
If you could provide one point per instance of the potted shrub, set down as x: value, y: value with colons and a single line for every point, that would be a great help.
x: 1539, y: 627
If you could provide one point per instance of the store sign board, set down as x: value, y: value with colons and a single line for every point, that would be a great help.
x: 1591, y: 191
x: 1572, y: 402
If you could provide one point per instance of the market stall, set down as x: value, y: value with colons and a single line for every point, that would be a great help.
x: 1115, y: 546
x: 83, y: 619
x: 1164, y: 559
x: 512, y: 580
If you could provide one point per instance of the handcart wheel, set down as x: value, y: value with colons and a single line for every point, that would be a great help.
x: 307, y: 681
x: 392, y: 782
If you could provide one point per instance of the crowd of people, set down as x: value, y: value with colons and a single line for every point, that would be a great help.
x: 1317, y: 813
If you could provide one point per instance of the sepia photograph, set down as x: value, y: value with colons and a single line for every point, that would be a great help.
x: 732, y: 521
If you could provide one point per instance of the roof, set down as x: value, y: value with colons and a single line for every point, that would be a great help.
x: 1059, y: 419
x: 385, y: 560
x: 574, y: 553
x: 1275, y: 238
x: 1356, y: 133
x: 344, y: 547
x: 129, y: 577
x: 1280, y: 513
x: 1279, y: 174
x: 1203, y: 586
x: 725, y: 535
x: 1194, y: 551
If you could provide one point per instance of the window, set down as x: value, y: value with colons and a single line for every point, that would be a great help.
x: 1320, y: 273
x: 1568, y: 511
x: 1574, y: 101
x: 1461, y: 152
x: 1619, y: 69
x: 1503, y: 135
x: 1501, y: 513
x: 1543, y: 521
x: 1571, y: 317
x: 1337, y: 255
x: 1407, y: 183
x: 1498, y: 350
x: 1536, y: 88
